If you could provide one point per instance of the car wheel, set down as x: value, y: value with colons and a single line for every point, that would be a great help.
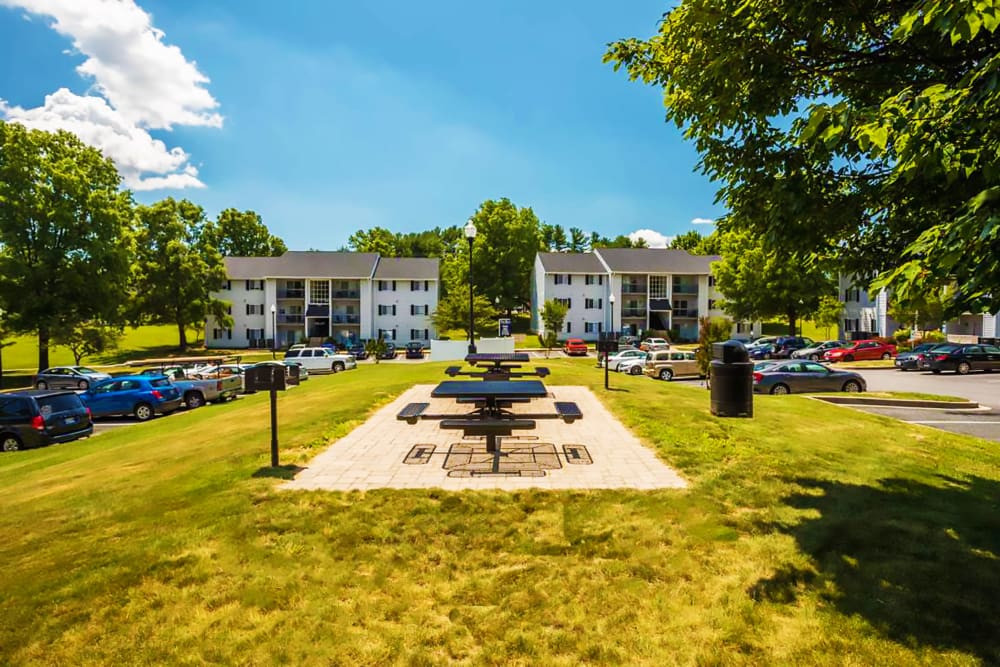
x: 886, y: 355
x: 338, y: 366
x: 849, y: 357
x: 42, y: 385
x: 963, y: 368
x: 666, y: 374
x: 194, y: 399
x: 143, y: 412
x: 813, y: 357
x: 780, y: 389
x: 10, y: 443
x: 852, y: 386
x: 635, y: 370
x: 83, y: 385
x: 936, y: 371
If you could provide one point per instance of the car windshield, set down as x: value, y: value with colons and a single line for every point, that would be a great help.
x: 59, y: 403
x: 84, y: 369
x: 946, y: 348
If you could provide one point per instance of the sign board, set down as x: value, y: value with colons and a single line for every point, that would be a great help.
x: 504, y: 327
x: 607, y: 342
x: 265, y: 377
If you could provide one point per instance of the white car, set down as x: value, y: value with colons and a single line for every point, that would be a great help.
x: 633, y: 366
x: 615, y: 360
x: 319, y: 359
x: 651, y: 344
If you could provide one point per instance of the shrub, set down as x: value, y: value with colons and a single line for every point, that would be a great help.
x: 901, y: 335
x: 710, y: 330
x: 934, y: 337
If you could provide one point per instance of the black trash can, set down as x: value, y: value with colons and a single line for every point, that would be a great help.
x: 731, y: 380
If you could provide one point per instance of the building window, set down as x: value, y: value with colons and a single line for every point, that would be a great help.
x: 255, y: 309
x: 419, y: 310
x: 852, y: 294
x: 559, y: 279
x: 319, y: 292
x: 711, y: 304
x: 254, y: 284
x: 592, y: 327
x: 593, y: 279
x: 415, y: 285
x: 387, y: 286
x: 593, y: 303
x: 218, y: 333
x: 387, y: 310
x: 658, y: 287
x: 569, y: 327
x: 711, y: 281
x: 566, y: 302
x: 228, y: 285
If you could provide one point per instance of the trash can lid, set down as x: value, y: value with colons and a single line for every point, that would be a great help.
x: 730, y: 352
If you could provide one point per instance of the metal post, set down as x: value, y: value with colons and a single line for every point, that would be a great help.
x: 472, y: 318
x: 274, y: 423
x: 274, y: 332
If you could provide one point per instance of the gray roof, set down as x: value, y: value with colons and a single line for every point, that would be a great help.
x: 655, y: 260
x: 304, y: 264
x: 407, y: 268
x: 571, y: 262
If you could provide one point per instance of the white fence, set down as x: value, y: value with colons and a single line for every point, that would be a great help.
x: 454, y: 350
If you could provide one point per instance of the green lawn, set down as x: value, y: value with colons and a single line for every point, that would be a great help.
x: 811, y: 534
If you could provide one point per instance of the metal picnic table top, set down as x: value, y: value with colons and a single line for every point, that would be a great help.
x: 490, y: 389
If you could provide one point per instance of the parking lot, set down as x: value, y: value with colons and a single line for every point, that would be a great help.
x: 983, y: 388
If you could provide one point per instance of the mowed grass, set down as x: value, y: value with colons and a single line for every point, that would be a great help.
x: 810, y: 534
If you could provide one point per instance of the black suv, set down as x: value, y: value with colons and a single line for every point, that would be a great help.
x: 415, y: 350
x: 42, y: 417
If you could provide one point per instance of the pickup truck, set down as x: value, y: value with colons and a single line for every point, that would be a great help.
x: 198, y: 391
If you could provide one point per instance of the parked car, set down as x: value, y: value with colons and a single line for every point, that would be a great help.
x: 633, y: 366
x: 414, y: 350
x: 208, y: 384
x: 140, y: 395
x: 860, y: 350
x: 910, y: 361
x: 962, y: 359
x: 35, y: 418
x: 786, y: 345
x: 763, y: 341
x: 358, y: 351
x: 320, y: 359
x: 667, y: 365
x: 68, y: 377
x: 628, y: 342
x: 614, y: 360
x: 815, y: 351
x: 575, y: 347
x: 651, y: 344
x: 805, y: 376
x: 303, y: 371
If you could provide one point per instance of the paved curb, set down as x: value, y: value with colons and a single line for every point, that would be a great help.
x: 898, y: 402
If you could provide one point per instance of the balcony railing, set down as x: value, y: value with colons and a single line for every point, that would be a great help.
x: 342, y: 318
x: 291, y: 294
x: 291, y: 319
x: 633, y: 312
x: 347, y: 294
x: 685, y: 288
x: 633, y: 289
x: 690, y: 312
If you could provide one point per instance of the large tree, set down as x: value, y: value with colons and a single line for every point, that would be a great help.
x: 763, y: 282
x: 65, y: 243
x: 241, y: 234
x: 176, y: 271
x: 453, y: 313
x: 875, y: 120
x: 504, y: 251
x: 689, y: 240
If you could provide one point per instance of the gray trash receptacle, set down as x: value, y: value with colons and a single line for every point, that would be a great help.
x: 731, y: 380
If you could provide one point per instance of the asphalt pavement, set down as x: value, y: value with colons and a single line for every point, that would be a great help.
x: 982, y: 388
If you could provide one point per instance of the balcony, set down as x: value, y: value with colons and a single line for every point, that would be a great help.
x: 687, y: 312
x: 344, y: 318
x: 347, y: 294
x: 633, y: 289
x: 291, y: 319
x: 685, y: 288
x: 291, y: 294
x: 634, y: 312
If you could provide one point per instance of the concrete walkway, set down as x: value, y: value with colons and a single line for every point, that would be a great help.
x: 596, y: 452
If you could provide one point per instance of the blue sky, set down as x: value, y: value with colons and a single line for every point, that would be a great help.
x: 329, y: 117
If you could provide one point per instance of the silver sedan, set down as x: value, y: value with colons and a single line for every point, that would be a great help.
x: 804, y: 376
x: 68, y: 377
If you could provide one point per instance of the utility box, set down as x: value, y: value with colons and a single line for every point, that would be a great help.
x: 731, y: 380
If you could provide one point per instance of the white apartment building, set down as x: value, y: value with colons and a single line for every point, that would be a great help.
x: 865, y: 314
x: 346, y: 296
x: 653, y: 289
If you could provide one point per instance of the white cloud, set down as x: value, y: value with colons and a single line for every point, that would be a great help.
x: 702, y: 221
x: 653, y: 238
x: 142, y: 84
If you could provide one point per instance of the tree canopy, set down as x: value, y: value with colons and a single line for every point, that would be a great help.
x: 241, y: 234
x: 865, y: 131
x: 65, y: 241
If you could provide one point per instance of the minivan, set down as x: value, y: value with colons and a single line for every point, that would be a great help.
x: 41, y: 417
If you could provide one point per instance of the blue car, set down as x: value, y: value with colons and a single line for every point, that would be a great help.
x: 140, y: 395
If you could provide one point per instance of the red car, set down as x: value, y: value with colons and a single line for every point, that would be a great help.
x: 575, y: 346
x: 861, y: 349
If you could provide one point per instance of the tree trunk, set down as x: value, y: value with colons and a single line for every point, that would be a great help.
x: 43, y: 348
x: 792, y: 322
x: 182, y: 336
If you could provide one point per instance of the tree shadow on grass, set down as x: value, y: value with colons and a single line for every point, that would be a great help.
x: 281, y: 472
x: 920, y: 562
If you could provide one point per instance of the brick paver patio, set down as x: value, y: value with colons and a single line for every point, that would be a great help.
x: 596, y: 452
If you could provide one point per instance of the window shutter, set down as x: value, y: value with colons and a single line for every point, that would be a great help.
x: 393, y: 287
x: 600, y: 304
x: 569, y: 279
x: 427, y: 285
x: 600, y: 280
x: 394, y: 309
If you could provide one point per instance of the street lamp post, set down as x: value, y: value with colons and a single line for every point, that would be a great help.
x: 470, y: 233
x: 274, y: 330
x: 608, y: 339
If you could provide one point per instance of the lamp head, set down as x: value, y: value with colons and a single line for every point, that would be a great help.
x: 470, y: 230
x: 274, y: 308
x: 611, y: 298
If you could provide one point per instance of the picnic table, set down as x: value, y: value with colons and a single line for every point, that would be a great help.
x: 492, y: 415
x: 497, y: 366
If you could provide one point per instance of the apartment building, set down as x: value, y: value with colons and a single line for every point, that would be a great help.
x: 345, y: 296
x: 865, y: 314
x: 653, y: 288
